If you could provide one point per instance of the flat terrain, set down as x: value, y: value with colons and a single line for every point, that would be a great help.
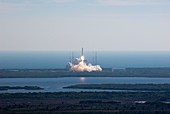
x: 107, y: 72
x: 152, y: 102
x: 20, y: 87
x: 86, y: 102
x: 138, y: 87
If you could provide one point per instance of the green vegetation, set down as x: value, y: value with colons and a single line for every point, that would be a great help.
x: 85, y: 102
x: 19, y: 87
x: 54, y: 73
x: 145, y: 87
x: 156, y: 101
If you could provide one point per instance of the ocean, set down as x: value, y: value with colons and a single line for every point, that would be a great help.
x: 106, y: 59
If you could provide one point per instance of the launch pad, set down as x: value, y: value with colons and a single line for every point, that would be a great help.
x: 80, y: 65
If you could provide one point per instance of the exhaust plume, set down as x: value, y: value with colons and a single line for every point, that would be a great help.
x: 79, y: 65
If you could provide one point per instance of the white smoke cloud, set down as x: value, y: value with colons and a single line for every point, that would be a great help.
x: 81, y: 66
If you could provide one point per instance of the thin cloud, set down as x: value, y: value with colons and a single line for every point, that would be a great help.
x: 37, y: 1
x: 10, y: 7
x: 49, y: 1
x: 125, y: 15
x: 132, y: 2
x: 97, y: 2
x: 20, y: 5
x: 62, y: 1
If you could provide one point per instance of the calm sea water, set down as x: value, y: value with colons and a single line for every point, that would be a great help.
x: 57, y: 84
x: 105, y: 59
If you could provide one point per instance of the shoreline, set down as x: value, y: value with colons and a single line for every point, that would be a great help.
x: 107, y: 72
x: 132, y: 87
x: 6, y: 88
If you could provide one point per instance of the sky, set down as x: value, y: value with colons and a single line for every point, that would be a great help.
x: 112, y: 25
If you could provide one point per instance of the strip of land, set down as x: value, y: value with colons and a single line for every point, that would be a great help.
x: 2, y: 88
x: 107, y: 72
x: 86, y: 102
x: 143, y: 87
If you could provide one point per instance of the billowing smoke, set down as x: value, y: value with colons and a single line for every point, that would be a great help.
x: 80, y: 65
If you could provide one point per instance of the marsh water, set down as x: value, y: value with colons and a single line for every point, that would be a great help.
x: 57, y: 84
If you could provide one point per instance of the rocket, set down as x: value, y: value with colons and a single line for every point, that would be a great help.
x: 82, y: 52
x: 82, y: 55
x: 80, y: 64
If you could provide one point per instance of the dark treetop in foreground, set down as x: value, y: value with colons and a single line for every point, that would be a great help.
x: 86, y: 102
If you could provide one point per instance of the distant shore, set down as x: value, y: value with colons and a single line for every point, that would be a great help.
x: 107, y: 72
x: 2, y: 88
x: 133, y: 87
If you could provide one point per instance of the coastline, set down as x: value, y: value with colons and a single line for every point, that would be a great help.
x: 107, y: 72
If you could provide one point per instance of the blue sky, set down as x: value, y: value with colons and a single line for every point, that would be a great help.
x: 115, y: 25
